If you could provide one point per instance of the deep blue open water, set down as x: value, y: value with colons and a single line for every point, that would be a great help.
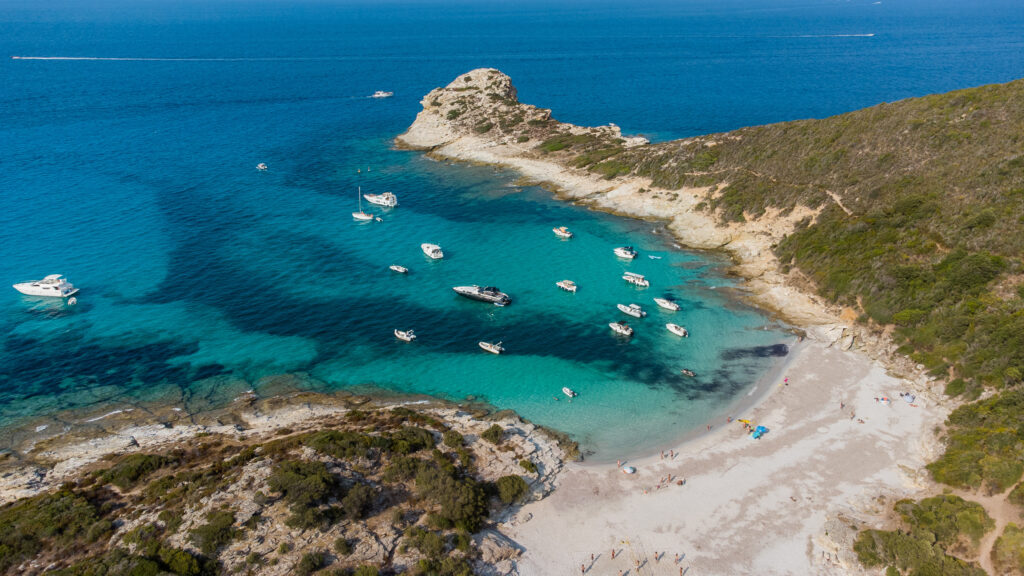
x: 134, y: 174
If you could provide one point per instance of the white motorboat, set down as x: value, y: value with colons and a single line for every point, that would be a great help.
x: 382, y: 94
x: 494, y: 348
x: 406, y: 336
x: 625, y: 252
x: 562, y: 232
x: 689, y: 373
x: 569, y: 392
x: 261, y: 166
x: 386, y: 199
x: 677, y: 330
x: 567, y: 285
x: 361, y: 216
x: 399, y: 269
x: 621, y: 327
x: 485, y: 294
x: 432, y: 250
x: 636, y: 279
x: 633, y: 310
x: 667, y: 304
x: 55, y: 285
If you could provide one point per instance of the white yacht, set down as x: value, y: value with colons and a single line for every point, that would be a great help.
x: 667, y: 304
x: 567, y: 285
x: 386, y: 199
x: 494, y: 348
x: 562, y: 232
x: 677, y: 330
x: 569, y: 392
x: 382, y: 94
x: 55, y: 285
x: 625, y: 252
x: 361, y: 216
x: 621, y: 327
x: 636, y: 279
x: 432, y: 250
x: 485, y: 294
x: 399, y: 269
x: 261, y: 166
x: 633, y: 310
x: 406, y: 336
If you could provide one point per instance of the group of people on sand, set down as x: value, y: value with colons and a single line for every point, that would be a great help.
x: 584, y: 567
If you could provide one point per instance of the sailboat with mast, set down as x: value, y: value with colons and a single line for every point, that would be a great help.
x: 361, y: 216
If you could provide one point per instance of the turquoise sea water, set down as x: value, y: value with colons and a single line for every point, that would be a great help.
x: 136, y: 178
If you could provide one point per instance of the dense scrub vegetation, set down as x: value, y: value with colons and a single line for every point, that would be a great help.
x: 936, y: 531
x: 150, y: 514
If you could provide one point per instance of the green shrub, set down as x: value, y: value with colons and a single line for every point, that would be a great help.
x: 342, y: 547
x: 357, y: 502
x: 57, y: 520
x: 452, y: 439
x: 302, y: 482
x: 512, y: 488
x: 366, y: 570
x: 309, y: 563
x: 130, y: 469
x: 461, y: 500
x: 528, y: 465
x: 494, y: 434
x: 1008, y: 552
x: 218, y: 531
x: 483, y: 127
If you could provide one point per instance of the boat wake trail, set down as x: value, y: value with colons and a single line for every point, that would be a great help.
x: 137, y: 59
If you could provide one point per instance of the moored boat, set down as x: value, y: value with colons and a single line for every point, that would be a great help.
x: 562, y: 232
x: 432, y: 250
x: 569, y: 392
x: 485, y: 294
x: 399, y: 269
x: 494, y: 348
x: 677, y: 330
x: 636, y: 279
x: 386, y: 199
x: 689, y: 373
x: 667, y: 304
x: 261, y: 166
x: 361, y: 216
x: 633, y: 310
x: 54, y: 285
x: 567, y: 285
x: 405, y: 335
x: 621, y: 327
x: 625, y: 252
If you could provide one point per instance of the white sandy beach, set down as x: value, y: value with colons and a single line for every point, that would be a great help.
x: 747, y: 506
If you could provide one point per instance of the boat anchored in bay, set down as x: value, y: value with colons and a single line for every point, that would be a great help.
x: 633, y: 310
x: 54, y: 285
x: 667, y: 304
x: 677, y: 330
x: 636, y: 279
x: 621, y: 327
x: 625, y: 252
x: 386, y: 199
x: 405, y: 335
x: 567, y: 285
x: 432, y: 250
x: 361, y: 216
x: 494, y: 348
x: 486, y: 294
x: 562, y: 232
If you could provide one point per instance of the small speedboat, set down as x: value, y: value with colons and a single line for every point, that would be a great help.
x: 562, y: 232
x: 636, y: 279
x: 494, y: 348
x: 621, y: 327
x: 399, y: 269
x: 382, y: 94
x: 567, y: 285
x: 677, y: 330
x: 689, y: 373
x: 569, y: 392
x: 625, y: 252
x: 55, y: 285
x: 633, y: 310
x: 406, y: 335
x: 432, y: 250
x: 386, y: 199
x: 261, y: 166
x: 667, y: 304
